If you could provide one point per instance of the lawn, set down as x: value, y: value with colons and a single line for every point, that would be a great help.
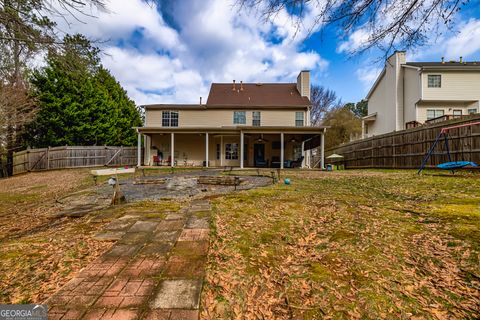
x: 367, y: 244
x: 38, y: 253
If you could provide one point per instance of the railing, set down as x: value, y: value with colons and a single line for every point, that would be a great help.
x: 446, y: 117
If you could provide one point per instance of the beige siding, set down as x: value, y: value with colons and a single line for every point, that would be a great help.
x: 219, y: 118
x: 412, y: 93
x: 456, y: 85
x: 385, y: 109
x: 447, y: 108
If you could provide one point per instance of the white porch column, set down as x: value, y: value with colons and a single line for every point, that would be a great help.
x: 282, y: 151
x: 241, y: 149
x: 206, y: 149
x: 146, y: 153
x: 139, y: 149
x: 322, y: 150
x: 172, y: 149
x: 303, y: 154
x: 221, y: 150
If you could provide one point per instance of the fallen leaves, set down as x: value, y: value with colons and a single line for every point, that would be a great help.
x: 339, y: 246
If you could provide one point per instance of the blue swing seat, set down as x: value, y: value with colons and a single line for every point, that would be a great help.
x: 455, y: 165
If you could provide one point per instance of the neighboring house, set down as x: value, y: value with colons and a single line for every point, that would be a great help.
x: 241, y: 125
x: 407, y: 94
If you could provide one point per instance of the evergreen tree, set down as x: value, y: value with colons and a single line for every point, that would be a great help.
x: 79, y: 101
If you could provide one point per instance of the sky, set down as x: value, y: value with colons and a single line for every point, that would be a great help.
x: 171, y: 51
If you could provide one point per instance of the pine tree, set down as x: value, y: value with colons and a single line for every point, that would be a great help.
x: 79, y: 101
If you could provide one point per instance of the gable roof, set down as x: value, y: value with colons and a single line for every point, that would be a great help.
x: 444, y: 64
x: 256, y: 94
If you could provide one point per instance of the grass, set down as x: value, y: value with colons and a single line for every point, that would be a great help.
x: 37, y: 253
x: 353, y: 244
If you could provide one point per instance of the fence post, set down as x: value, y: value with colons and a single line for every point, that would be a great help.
x: 48, y: 158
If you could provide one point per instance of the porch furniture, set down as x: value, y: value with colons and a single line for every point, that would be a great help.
x: 262, y: 163
x: 297, y: 163
x: 169, y: 161
x: 276, y: 163
x: 157, y: 160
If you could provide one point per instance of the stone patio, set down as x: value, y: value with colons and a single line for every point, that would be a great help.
x: 154, y: 271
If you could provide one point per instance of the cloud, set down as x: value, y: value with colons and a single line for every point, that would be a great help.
x: 367, y: 76
x: 355, y: 41
x: 170, y: 51
x: 466, y: 42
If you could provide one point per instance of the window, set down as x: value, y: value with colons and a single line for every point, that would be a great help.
x: 256, y: 118
x: 457, y: 113
x: 239, y: 117
x: 231, y: 151
x: 434, y: 113
x: 218, y: 151
x: 366, y: 128
x: 472, y: 111
x: 299, y: 119
x: 169, y: 118
x: 434, y: 81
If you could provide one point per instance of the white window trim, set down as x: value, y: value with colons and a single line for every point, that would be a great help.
x: 245, y: 117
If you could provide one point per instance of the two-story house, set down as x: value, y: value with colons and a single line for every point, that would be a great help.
x: 241, y: 125
x: 406, y: 94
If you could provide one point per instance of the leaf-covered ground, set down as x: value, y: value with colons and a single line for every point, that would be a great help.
x: 38, y: 253
x: 351, y: 244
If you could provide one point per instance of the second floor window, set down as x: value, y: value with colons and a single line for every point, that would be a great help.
x: 169, y: 118
x: 256, y: 118
x: 434, y: 113
x: 434, y: 81
x: 239, y: 117
x: 299, y: 119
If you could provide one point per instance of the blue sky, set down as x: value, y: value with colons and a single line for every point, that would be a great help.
x: 170, y: 52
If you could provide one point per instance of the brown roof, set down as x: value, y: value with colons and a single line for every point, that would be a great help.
x: 444, y: 64
x: 256, y: 94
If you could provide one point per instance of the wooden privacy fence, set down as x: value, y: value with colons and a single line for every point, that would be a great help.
x: 406, y: 149
x: 73, y: 157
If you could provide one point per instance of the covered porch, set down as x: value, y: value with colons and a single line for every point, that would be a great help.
x: 275, y: 147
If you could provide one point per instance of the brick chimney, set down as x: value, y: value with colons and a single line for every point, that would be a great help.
x: 303, y: 83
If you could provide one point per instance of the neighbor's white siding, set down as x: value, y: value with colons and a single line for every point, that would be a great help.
x: 456, y: 85
x: 380, y: 103
x: 412, y: 93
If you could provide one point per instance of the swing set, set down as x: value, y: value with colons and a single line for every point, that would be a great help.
x: 449, y: 165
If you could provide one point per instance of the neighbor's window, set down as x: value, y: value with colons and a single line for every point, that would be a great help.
x: 239, y: 117
x: 434, y: 113
x: 169, y: 118
x: 299, y: 119
x: 231, y: 151
x: 366, y: 128
x: 218, y: 151
x: 457, y: 113
x: 472, y: 111
x: 434, y: 81
x: 256, y: 118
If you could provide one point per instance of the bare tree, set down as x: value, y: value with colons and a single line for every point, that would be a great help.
x: 385, y: 24
x: 26, y: 30
x: 323, y: 100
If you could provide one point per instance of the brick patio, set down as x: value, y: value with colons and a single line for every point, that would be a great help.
x: 154, y: 271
